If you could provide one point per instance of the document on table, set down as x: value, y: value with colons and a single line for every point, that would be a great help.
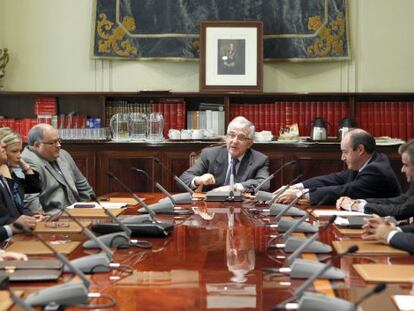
x: 330, y: 212
x: 95, y: 205
x: 404, y: 302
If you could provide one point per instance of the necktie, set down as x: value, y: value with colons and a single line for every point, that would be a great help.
x: 231, y: 171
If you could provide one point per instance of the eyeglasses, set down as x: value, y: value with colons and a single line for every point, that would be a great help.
x: 53, y: 142
x: 239, y: 137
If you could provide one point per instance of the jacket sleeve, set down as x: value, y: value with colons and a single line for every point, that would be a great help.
x: 404, y: 241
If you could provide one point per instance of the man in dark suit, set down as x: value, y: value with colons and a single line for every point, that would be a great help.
x: 400, y: 207
x: 369, y: 174
x: 379, y: 229
x: 213, y: 169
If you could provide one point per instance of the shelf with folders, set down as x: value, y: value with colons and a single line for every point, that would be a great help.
x: 275, y: 113
x: 392, y: 118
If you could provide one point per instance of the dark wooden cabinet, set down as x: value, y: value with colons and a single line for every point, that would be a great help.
x: 96, y: 159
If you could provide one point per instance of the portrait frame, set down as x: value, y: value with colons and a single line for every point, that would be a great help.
x: 231, y: 56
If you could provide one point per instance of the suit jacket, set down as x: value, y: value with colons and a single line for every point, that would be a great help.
x: 404, y: 240
x: 8, y: 209
x: 253, y: 169
x: 400, y: 207
x: 54, y: 186
x: 376, y: 180
x: 3, y: 234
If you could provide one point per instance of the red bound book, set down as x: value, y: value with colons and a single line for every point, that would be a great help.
x: 267, y: 112
x: 319, y: 110
x: 388, y: 119
x: 302, y: 119
x: 383, y: 127
x: 251, y: 113
x: 308, y: 118
x: 330, y: 117
x: 282, y: 115
x: 276, y: 118
x: 257, y: 118
x: 273, y: 119
x: 180, y: 116
x: 295, y: 112
x: 233, y: 109
x: 18, y: 127
x: 262, y: 116
x: 345, y: 109
x: 314, y: 110
x: 167, y: 117
x: 394, y: 119
x: 337, y: 113
x: 242, y: 108
x: 363, y: 121
x: 288, y: 113
x: 402, y: 119
x: 410, y: 131
x: 376, y: 109
x: 173, y: 115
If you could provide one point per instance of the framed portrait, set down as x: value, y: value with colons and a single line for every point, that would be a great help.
x: 231, y: 56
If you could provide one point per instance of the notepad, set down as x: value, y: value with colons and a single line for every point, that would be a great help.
x: 367, y: 248
x: 349, y: 232
x: 385, y: 272
x: 404, y: 302
x: 37, y: 248
x: 60, y: 226
x: 92, y: 212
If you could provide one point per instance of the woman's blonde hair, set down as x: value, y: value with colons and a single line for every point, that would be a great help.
x: 8, y: 136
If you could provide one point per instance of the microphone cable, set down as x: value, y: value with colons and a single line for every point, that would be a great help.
x: 110, y: 304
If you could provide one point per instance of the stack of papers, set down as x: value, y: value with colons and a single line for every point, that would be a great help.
x: 330, y: 212
x: 95, y: 205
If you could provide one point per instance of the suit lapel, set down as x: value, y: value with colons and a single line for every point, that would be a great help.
x: 221, y: 164
x: 244, y: 167
x: 9, y: 201
x: 66, y: 172
x: 54, y: 173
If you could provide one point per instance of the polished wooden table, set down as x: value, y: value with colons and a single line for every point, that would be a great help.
x: 214, y: 260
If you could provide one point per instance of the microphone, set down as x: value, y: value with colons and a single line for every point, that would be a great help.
x: 96, y: 242
x: 287, y: 207
x: 167, y: 205
x: 376, y: 290
x: 165, y: 228
x: 19, y: 302
x: 301, y: 289
x: 176, y: 178
x: 270, y: 177
x: 305, y: 243
x: 270, y: 197
x: 71, y: 293
x: 313, y: 301
x: 127, y: 232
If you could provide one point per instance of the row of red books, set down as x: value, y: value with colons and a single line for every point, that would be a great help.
x: 45, y: 105
x: 394, y: 119
x: 279, y: 115
x: 174, y: 114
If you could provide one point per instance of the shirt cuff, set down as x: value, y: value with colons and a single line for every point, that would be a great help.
x: 239, y: 187
x: 192, y: 184
x: 9, y: 231
x: 361, y: 206
x: 391, y: 234
x: 299, y: 186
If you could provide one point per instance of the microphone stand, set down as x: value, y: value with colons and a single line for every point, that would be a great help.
x: 151, y: 213
x: 271, y: 176
x: 72, y: 293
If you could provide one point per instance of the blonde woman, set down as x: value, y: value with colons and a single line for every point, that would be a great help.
x: 20, y: 177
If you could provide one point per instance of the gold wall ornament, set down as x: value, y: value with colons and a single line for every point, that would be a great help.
x: 330, y: 38
x: 113, y: 36
x: 4, y: 59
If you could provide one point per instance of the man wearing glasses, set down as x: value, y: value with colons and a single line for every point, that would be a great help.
x: 61, y: 180
x: 216, y: 165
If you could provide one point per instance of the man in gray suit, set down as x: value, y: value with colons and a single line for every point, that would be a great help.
x: 213, y: 169
x: 62, y: 182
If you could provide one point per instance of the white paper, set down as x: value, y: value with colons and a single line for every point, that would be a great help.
x: 108, y: 205
x: 330, y: 212
x: 404, y: 302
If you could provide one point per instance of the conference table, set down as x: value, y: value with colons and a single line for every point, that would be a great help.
x: 214, y: 260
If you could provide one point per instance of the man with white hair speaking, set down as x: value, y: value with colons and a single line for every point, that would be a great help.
x: 215, y: 165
